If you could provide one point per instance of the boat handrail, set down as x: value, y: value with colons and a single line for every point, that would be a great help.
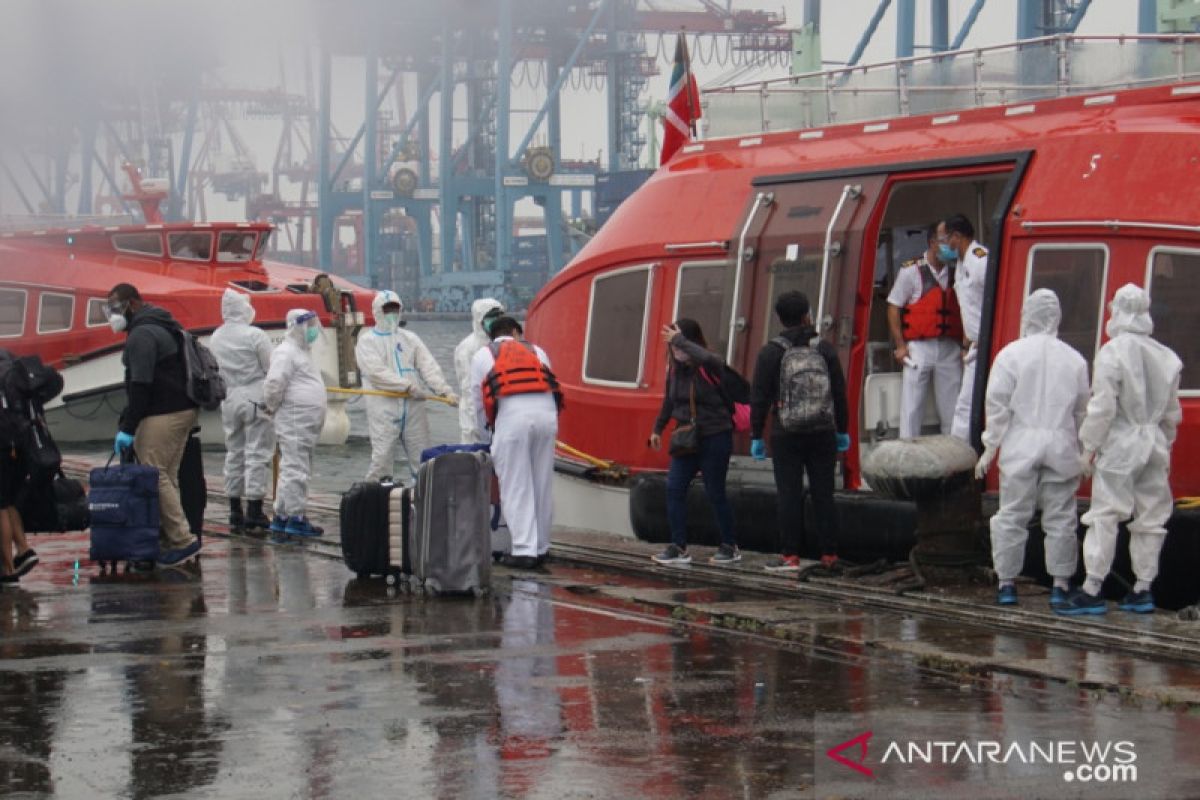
x: 1017, y: 72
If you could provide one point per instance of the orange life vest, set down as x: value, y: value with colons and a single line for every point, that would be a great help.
x: 936, y: 314
x: 517, y: 370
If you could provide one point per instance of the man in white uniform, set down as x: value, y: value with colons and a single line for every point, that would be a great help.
x: 524, y: 400
x: 1037, y: 394
x: 468, y: 418
x: 244, y: 355
x: 391, y: 359
x: 294, y: 395
x: 956, y: 242
x: 926, y: 327
x: 1131, y: 423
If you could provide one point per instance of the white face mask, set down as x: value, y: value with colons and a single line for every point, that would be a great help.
x: 117, y: 322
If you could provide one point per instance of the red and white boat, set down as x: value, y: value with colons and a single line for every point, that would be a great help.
x: 1081, y: 192
x: 54, y: 284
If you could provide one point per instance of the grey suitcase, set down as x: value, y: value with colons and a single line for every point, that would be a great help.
x: 451, y: 547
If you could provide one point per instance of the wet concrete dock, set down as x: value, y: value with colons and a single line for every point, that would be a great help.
x: 269, y: 671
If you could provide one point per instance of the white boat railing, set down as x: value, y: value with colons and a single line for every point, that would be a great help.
x: 1034, y: 69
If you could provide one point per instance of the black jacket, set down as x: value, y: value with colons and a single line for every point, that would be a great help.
x: 765, y: 389
x: 155, y: 375
x: 712, y: 410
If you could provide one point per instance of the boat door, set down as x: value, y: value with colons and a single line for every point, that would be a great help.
x: 800, y: 234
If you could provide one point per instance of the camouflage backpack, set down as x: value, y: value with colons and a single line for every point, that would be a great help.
x: 805, y: 403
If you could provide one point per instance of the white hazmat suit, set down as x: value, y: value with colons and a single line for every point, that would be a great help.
x: 1131, y: 424
x: 391, y: 359
x: 1037, y: 394
x: 294, y: 393
x: 468, y: 415
x: 244, y: 355
x: 523, y: 455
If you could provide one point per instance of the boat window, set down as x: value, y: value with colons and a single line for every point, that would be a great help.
x: 263, y: 242
x: 700, y: 295
x: 97, y: 312
x: 616, y: 335
x: 12, y: 312
x: 145, y: 244
x: 235, y: 246
x: 1174, y: 293
x: 1077, y: 274
x: 191, y: 246
x: 55, y: 312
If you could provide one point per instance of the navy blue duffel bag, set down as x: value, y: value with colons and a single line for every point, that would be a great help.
x: 123, y: 501
x: 442, y: 449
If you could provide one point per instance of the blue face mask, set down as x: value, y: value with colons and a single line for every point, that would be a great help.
x: 947, y: 254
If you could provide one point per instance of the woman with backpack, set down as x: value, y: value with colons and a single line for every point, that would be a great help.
x: 798, y: 382
x: 702, y: 440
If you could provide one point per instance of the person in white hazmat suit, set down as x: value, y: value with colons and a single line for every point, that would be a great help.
x: 1037, y: 394
x: 244, y: 355
x: 523, y: 436
x: 294, y: 395
x: 1132, y: 419
x: 391, y: 359
x: 468, y: 418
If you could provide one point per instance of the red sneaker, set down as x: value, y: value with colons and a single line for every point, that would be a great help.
x: 782, y: 564
x: 829, y: 560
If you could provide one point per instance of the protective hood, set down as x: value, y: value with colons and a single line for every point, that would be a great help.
x: 298, y: 321
x: 479, y: 309
x: 382, y: 299
x: 1041, y: 313
x: 235, y: 307
x: 1130, y: 309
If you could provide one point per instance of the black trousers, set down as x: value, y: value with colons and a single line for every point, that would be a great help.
x: 792, y: 455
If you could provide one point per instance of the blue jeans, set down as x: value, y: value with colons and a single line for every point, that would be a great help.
x: 713, y: 463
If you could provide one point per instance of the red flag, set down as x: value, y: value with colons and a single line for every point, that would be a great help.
x: 683, y: 104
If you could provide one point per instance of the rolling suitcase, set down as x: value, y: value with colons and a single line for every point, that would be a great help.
x: 123, y: 503
x: 450, y: 546
x: 371, y: 519
x: 193, y: 489
x: 501, y: 538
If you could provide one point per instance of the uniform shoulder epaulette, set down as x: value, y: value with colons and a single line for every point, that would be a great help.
x: 912, y: 262
x: 979, y: 252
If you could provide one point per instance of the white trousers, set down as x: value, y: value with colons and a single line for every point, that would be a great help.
x: 390, y: 422
x: 523, y: 454
x: 962, y: 408
x: 249, y: 443
x: 296, y: 445
x: 1145, y: 496
x: 1020, y: 494
x: 936, y: 361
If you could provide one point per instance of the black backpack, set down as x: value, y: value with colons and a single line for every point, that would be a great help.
x: 202, y: 375
x: 27, y: 384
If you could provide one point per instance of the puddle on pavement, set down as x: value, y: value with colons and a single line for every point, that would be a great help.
x: 275, y: 673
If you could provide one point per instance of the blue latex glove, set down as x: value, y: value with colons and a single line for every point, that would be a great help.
x: 758, y: 449
x: 843, y: 442
x: 123, y: 441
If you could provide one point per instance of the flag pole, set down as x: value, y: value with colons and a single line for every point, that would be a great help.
x: 687, y: 81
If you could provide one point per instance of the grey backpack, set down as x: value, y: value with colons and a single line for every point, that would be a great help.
x: 805, y: 402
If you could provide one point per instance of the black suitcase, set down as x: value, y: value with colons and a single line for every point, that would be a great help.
x: 373, y: 523
x: 193, y: 489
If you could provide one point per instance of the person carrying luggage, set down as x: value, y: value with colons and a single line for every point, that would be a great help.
x: 294, y: 396
x: 244, y: 353
x: 694, y: 400
x: 159, y: 414
x: 798, y: 381
x: 518, y: 399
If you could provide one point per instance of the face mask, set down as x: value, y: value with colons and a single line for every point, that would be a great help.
x: 117, y: 322
x: 947, y: 254
x: 392, y: 319
x: 311, y: 334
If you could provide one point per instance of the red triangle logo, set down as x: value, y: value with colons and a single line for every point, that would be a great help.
x: 861, y: 740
